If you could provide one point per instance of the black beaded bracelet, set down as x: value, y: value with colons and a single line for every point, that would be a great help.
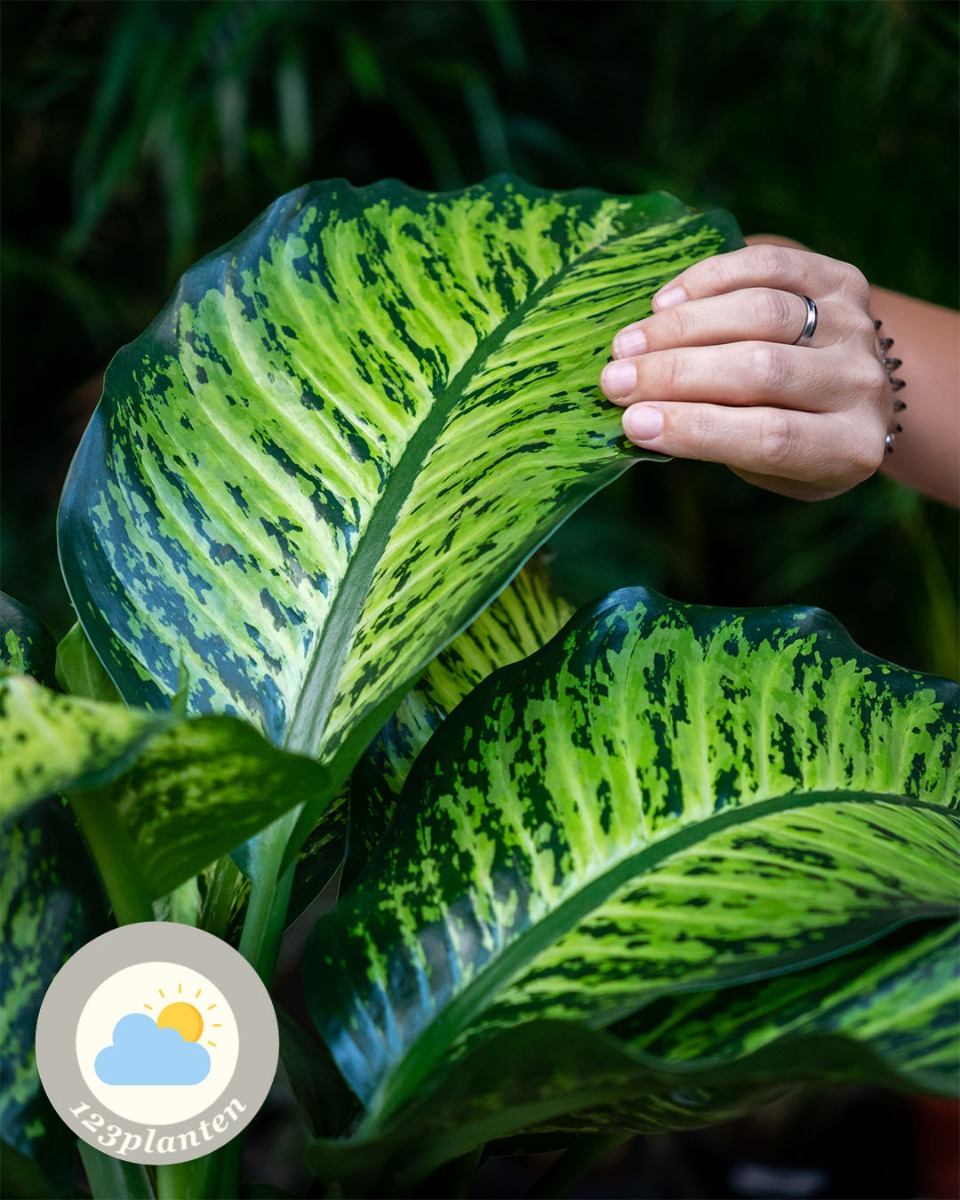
x: 891, y: 365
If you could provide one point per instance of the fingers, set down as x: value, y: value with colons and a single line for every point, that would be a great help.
x: 754, y: 314
x: 812, y: 455
x: 766, y: 266
x: 714, y: 373
x: 745, y: 373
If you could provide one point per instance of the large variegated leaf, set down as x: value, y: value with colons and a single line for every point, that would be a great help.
x: 665, y: 798
x: 522, y: 619
x: 886, y: 1015
x: 50, y: 906
x: 186, y: 791
x: 345, y: 433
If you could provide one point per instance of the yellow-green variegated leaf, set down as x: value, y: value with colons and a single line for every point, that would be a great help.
x: 186, y: 791
x: 522, y: 619
x: 900, y: 996
x: 345, y: 433
x: 884, y: 1015
x: 51, y: 743
x: 888, y: 1014
x: 50, y: 906
x: 666, y: 798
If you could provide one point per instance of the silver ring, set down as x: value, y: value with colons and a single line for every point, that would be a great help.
x: 888, y: 442
x: 810, y: 325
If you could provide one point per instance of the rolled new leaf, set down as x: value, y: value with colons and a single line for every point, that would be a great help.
x: 666, y: 798
x: 79, y: 671
x: 345, y: 433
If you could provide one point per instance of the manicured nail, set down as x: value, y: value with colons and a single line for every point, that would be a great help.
x: 618, y: 379
x: 630, y: 342
x: 671, y: 295
x: 641, y: 423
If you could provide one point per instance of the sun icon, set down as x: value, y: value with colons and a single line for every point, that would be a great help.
x: 184, y: 1017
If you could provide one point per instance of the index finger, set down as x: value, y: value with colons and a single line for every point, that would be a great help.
x: 766, y: 266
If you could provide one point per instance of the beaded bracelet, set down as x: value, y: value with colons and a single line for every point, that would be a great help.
x: 891, y: 365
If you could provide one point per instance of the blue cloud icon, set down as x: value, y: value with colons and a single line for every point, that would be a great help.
x: 143, y: 1053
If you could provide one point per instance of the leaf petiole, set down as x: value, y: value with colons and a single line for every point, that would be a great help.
x: 114, y: 856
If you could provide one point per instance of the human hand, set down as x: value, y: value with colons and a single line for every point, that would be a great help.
x: 714, y: 374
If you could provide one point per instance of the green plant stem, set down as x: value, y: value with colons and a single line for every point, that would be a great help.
x: 574, y: 1163
x: 178, y: 1181
x: 110, y: 1178
x: 185, y: 903
x: 226, y: 1172
x: 131, y: 903
x: 266, y: 913
x: 263, y: 927
x: 114, y: 857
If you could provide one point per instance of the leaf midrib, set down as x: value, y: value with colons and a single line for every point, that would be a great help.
x: 304, y: 733
x: 428, y: 1049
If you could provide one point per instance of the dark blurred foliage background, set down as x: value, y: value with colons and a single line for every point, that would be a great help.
x: 138, y: 136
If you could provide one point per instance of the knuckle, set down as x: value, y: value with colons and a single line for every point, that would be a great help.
x: 873, y: 380
x: 861, y: 326
x: 682, y: 325
x: 701, y: 429
x: 855, y: 284
x: 709, y: 275
x: 771, y: 261
x: 865, y: 454
x: 778, y: 437
x: 777, y: 310
x: 769, y: 367
x: 671, y: 374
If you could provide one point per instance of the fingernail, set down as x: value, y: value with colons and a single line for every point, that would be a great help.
x: 641, y: 423
x: 671, y: 295
x: 630, y: 342
x: 618, y: 379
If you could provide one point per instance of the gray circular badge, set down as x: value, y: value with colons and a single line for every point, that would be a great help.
x: 157, y: 1043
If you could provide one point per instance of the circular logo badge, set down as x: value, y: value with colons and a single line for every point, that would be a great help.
x: 157, y: 1043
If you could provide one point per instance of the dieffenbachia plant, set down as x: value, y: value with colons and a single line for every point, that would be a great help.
x: 290, y: 533
x: 664, y: 801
